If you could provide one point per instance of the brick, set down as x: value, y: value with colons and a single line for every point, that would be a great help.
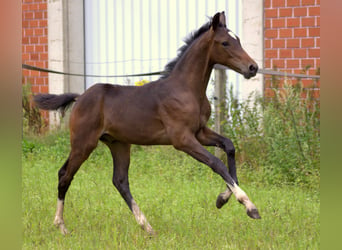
x: 34, y: 56
x: 38, y: 32
x: 44, y: 89
x: 293, y: 2
x: 33, y: 40
x: 43, y: 40
x: 278, y: 23
x: 25, y: 57
x: 314, y: 52
x: 267, y: 23
x: 271, y: 53
x: 28, y: 15
x: 25, y: 24
x: 292, y: 63
x: 33, y: 6
x: 43, y: 6
x: 293, y: 22
x: 34, y: 73
x: 307, y: 62
x: 267, y: 4
x: 314, y: 31
x: 39, y: 64
x: 307, y: 83
x: 38, y: 14
x: 300, y: 32
x: 308, y: 22
x: 308, y: 2
x: 300, y: 53
x: 271, y: 13
x: 267, y: 63
x: 29, y: 48
x: 318, y: 41
x: 278, y: 43
x: 314, y: 11
x: 35, y: 89
x: 28, y: 32
x: 271, y: 33
x: 269, y: 92
x: 292, y: 43
x: 285, y: 33
x: 33, y: 23
x: 267, y: 44
x: 279, y: 63
x: 25, y: 40
x: 285, y: 53
x: 39, y: 48
x: 43, y: 23
x: 278, y: 3
x: 286, y: 12
x: 39, y: 81
x: 300, y: 12
x: 307, y: 42
x: 318, y: 20
x: 268, y: 84
x: 312, y: 71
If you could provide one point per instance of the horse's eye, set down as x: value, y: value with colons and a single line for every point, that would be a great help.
x: 225, y: 44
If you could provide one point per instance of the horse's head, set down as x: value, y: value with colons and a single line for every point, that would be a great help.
x: 227, y: 49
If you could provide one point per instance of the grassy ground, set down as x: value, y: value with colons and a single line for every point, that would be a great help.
x: 177, y: 195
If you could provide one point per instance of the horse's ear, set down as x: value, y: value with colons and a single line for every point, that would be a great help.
x: 215, y: 21
x: 223, y: 18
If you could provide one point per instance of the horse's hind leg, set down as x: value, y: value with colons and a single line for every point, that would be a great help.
x: 65, y: 175
x: 121, y: 159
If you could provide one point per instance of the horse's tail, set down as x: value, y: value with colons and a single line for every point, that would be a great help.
x: 55, y: 102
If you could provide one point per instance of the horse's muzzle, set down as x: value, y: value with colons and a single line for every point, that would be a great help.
x: 252, y: 70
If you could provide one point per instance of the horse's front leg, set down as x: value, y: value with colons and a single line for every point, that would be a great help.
x: 189, y: 144
x: 207, y: 137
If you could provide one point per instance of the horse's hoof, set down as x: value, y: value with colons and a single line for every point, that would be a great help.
x: 63, y: 229
x: 253, y: 213
x: 220, y: 201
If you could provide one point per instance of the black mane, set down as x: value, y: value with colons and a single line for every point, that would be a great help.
x: 188, y: 41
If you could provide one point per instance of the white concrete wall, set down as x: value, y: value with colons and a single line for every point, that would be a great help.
x: 65, y: 48
x: 56, y: 52
x: 253, y: 43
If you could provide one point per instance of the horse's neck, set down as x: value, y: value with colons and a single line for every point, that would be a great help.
x: 193, y: 70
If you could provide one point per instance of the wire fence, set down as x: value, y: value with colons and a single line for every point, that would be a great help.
x: 260, y: 71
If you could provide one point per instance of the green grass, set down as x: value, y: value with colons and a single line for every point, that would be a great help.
x: 176, y: 193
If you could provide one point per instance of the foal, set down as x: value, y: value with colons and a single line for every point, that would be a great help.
x: 173, y: 110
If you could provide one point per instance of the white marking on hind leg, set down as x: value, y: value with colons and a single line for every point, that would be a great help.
x: 140, y: 218
x: 226, y: 194
x: 242, y: 197
x: 59, y: 222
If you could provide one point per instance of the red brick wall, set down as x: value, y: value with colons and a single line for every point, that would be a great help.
x: 35, y: 43
x: 292, y: 38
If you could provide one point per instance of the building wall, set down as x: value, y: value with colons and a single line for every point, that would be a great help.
x: 292, y: 39
x: 35, y: 43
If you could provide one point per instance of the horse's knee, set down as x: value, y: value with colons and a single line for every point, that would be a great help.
x: 229, y: 148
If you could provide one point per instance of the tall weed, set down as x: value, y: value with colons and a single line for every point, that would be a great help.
x: 279, y: 137
x: 32, y: 119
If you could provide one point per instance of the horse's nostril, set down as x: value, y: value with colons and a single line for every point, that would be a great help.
x: 253, y: 68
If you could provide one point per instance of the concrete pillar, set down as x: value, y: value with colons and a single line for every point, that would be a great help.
x: 65, y: 48
x: 253, y: 43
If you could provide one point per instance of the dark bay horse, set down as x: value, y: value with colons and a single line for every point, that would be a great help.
x: 173, y: 110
